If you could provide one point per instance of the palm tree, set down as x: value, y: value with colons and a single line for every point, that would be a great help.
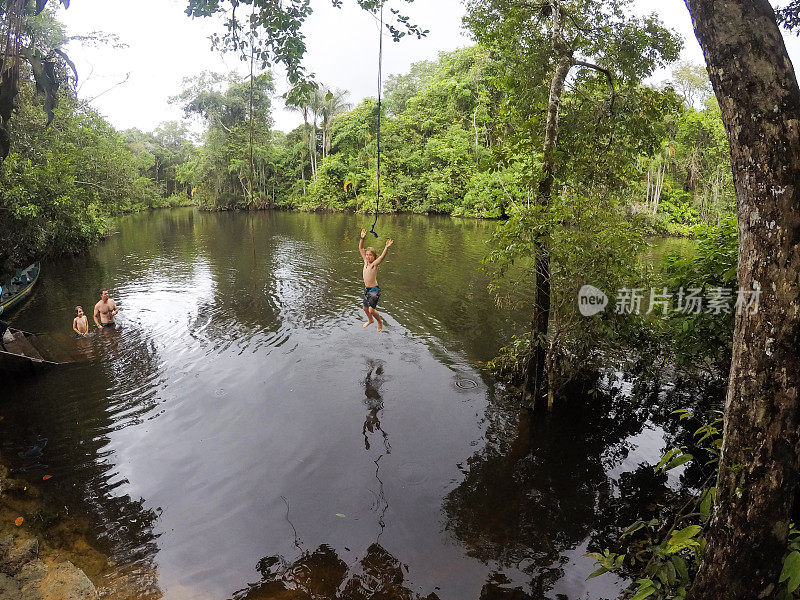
x: 303, y: 106
x: 334, y: 104
x: 323, y: 106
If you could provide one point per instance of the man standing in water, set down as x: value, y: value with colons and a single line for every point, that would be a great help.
x: 105, y: 311
x: 372, y: 293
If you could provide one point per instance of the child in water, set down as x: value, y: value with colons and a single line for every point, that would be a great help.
x: 80, y: 325
x: 372, y: 293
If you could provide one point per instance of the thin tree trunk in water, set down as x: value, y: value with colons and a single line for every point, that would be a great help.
x: 251, y: 175
x: 757, y: 90
x: 535, y: 373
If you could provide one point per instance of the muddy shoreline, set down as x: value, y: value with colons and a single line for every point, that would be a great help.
x: 46, y: 554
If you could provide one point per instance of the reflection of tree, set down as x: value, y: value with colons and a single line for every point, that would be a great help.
x: 323, y: 574
x: 645, y: 494
x: 536, y: 489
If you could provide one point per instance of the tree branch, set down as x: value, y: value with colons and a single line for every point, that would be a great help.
x: 609, y: 78
x: 92, y: 184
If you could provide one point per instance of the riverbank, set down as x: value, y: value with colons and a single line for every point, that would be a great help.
x: 39, y: 549
x: 648, y: 226
x: 46, y: 553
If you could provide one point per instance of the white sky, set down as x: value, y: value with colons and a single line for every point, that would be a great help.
x: 165, y: 46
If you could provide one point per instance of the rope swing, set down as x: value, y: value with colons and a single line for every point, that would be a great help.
x: 380, y: 92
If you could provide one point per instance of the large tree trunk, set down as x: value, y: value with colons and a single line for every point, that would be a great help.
x: 536, y: 381
x: 757, y: 90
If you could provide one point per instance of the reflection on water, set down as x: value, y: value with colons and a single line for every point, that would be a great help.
x: 241, y: 411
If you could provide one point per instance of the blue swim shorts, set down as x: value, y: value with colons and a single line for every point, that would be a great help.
x: 371, y: 296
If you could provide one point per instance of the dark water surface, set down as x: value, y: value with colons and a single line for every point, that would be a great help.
x: 243, y: 434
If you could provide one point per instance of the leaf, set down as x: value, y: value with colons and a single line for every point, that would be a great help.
x: 684, y: 538
x: 644, y: 592
x: 791, y: 571
x: 596, y: 572
x: 706, y: 502
x: 341, y: 515
x: 636, y: 526
x: 681, y: 568
x: 67, y: 60
x: 687, y: 532
x: 665, y: 458
x: 44, y: 74
x: 46, y: 477
x: 677, y: 462
x: 18, y: 521
x: 672, y: 574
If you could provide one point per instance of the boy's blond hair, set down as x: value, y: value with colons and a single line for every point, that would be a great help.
x: 372, y: 251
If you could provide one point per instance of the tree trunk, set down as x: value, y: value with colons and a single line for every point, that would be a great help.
x: 313, y: 144
x: 536, y: 384
x: 757, y: 90
x: 251, y: 174
x: 659, y: 186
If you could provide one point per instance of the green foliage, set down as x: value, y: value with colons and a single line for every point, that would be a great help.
x: 790, y: 572
x: 663, y: 562
x: 593, y: 244
x: 664, y: 554
x: 33, y: 39
x: 439, y: 146
x: 61, y: 183
x: 704, y: 340
x: 454, y: 140
x: 694, y: 163
x: 676, y: 213
x: 220, y: 169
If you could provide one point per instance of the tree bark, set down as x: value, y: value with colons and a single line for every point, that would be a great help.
x: 756, y: 86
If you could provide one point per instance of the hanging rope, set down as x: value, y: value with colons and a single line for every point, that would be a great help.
x: 380, y: 92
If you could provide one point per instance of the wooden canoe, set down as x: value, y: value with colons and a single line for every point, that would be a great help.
x: 18, y: 287
x: 20, y: 355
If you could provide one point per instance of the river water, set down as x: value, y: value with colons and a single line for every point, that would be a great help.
x: 242, y: 435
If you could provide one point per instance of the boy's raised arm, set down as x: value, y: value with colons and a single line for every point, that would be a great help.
x: 361, y: 244
x: 385, y: 250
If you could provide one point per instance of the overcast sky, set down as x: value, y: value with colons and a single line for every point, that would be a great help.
x: 164, y: 46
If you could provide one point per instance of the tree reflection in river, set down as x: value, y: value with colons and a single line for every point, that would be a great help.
x: 528, y: 496
x: 323, y: 574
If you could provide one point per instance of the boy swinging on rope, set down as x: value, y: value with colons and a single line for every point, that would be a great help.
x: 372, y: 293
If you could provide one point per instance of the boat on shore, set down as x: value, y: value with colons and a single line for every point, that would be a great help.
x: 19, y: 286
